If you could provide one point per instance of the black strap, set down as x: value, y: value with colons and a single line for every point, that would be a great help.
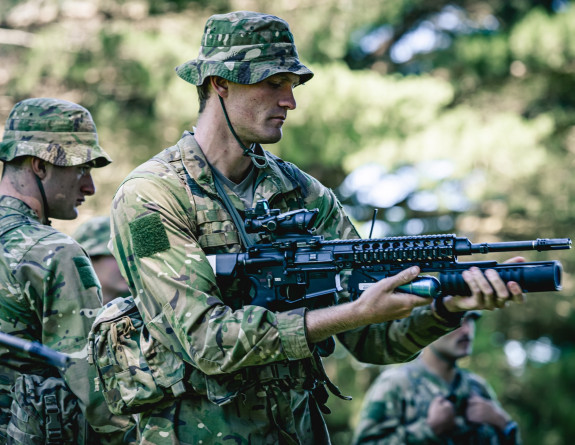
x: 248, y: 151
x: 45, y: 208
x: 246, y: 239
x: 53, y: 424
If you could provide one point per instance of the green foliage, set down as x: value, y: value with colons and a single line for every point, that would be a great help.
x: 480, y: 55
x: 498, y: 103
x: 544, y: 41
x: 366, y: 110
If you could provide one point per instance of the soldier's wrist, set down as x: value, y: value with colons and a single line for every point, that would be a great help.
x: 510, y: 429
x: 441, y: 312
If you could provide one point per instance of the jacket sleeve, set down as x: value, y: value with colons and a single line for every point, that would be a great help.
x: 64, y: 291
x: 171, y: 276
x: 384, y: 343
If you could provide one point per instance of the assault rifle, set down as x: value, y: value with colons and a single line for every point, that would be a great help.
x: 34, y: 350
x: 292, y: 267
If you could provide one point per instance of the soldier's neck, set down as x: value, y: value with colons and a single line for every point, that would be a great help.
x: 440, y: 365
x: 221, y: 149
x: 23, y: 189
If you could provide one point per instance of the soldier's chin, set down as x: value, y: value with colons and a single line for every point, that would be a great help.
x: 66, y: 216
x: 272, y: 138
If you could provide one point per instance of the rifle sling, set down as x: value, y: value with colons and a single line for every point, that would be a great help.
x: 246, y: 239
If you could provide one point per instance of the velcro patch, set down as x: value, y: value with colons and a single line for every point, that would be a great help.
x: 86, y: 271
x: 149, y: 235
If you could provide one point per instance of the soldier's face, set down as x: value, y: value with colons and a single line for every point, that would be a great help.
x: 458, y: 343
x: 66, y: 188
x: 257, y: 112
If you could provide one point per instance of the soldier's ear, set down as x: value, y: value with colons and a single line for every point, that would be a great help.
x: 220, y: 85
x: 38, y: 167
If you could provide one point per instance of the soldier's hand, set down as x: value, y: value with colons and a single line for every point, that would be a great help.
x: 380, y: 302
x: 480, y: 410
x: 377, y: 304
x: 441, y: 415
x: 488, y: 290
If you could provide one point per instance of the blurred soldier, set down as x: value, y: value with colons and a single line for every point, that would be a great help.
x: 49, y: 292
x: 433, y: 401
x: 94, y: 236
x: 253, y: 375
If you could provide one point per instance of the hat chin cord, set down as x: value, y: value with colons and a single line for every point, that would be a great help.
x: 260, y: 161
x: 45, y: 209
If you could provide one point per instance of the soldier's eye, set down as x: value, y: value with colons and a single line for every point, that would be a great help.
x: 84, y: 170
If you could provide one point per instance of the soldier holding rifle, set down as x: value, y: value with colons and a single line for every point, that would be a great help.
x: 253, y: 375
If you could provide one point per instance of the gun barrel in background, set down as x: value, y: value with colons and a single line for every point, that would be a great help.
x: 35, y: 350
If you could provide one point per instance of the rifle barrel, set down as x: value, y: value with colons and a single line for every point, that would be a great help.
x: 540, y: 245
x: 34, y: 349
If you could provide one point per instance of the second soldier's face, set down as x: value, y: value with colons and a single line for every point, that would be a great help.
x: 257, y: 112
x: 458, y: 343
x: 66, y: 188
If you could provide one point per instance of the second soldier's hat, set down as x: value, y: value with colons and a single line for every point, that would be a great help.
x: 55, y: 130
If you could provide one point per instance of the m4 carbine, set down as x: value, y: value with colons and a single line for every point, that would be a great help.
x: 292, y: 267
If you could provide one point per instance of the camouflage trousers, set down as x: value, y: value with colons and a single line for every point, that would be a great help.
x: 45, y: 411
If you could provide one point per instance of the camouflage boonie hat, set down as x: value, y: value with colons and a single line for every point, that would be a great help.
x: 94, y: 235
x: 244, y: 47
x: 57, y: 131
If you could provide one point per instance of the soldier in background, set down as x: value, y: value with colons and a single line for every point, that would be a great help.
x: 94, y: 236
x: 49, y: 292
x: 433, y: 401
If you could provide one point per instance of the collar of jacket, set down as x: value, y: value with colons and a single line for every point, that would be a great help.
x: 270, y: 181
x: 16, y: 205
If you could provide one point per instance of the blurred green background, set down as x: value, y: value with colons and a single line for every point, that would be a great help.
x: 447, y: 116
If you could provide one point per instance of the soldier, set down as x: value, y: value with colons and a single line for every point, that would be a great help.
x: 252, y: 375
x: 49, y: 292
x: 94, y: 236
x: 433, y: 401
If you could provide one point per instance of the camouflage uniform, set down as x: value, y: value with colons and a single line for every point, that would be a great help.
x: 251, y: 375
x: 251, y: 371
x: 395, y: 409
x: 48, y: 290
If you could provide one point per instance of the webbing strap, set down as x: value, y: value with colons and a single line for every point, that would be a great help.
x: 247, y: 240
x: 54, y: 433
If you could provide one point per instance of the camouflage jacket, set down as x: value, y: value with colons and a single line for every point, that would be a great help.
x: 395, y: 409
x: 49, y: 293
x: 163, y: 226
